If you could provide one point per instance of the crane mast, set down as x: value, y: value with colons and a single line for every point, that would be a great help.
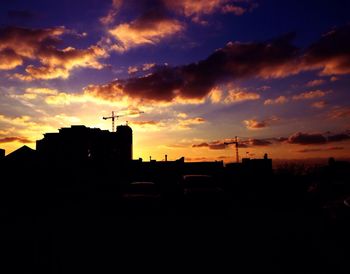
x: 236, y: 147
x: 116, y: 116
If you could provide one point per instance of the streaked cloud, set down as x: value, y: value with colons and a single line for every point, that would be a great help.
x: 339, y: 113
x: 109, y: 18
x: 319, y: 104
x: 310, y: 95
x: 280, y: 100
x: 316, y: 82
x: 239, y: 96
x: 196, y: 10
x: 22, y: 140
x: 149, y: 29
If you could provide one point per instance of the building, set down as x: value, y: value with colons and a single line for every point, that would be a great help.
x: 23, y: 154
x: 81, y: 143
x: 2, y: 153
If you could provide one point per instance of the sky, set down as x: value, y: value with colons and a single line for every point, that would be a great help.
x: 276, y: 74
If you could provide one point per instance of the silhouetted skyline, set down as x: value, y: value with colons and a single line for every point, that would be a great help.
x: 195, y: 74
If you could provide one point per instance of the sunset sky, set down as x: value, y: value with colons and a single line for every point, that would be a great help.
x: 274, y: 73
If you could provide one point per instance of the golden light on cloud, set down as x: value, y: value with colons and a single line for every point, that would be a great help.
x: 134, y: 34
x: 236, y: 95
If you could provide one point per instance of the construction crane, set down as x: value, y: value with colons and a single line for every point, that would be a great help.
x: 116, y: 116
x: 236, y: 146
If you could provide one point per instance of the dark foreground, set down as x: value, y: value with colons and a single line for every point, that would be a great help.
x: 85, y: 222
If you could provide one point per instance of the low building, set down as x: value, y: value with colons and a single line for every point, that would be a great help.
x: 81, y: 143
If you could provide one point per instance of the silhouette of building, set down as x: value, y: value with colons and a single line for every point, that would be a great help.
x: 24, y: 154
x: 252, y: 166
x: 81, y: 143
x: 2, y: 153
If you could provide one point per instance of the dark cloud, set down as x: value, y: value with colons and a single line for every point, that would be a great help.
x: 22, y: 140
x: 275, y: 58
x: 331, y: 53
x: 298, y: 138
x: 201, y: 145
x: 338, y: 137
x: 259, y: 142
x: 307, y: 139
x: 24, y: 44
x: 234, y: 61
x: 223, y: 144
x: 308, y: 150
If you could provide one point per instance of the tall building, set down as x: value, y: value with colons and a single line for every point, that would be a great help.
x: 80, y: 143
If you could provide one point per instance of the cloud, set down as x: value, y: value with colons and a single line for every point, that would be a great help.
x: 316, y: 138
x: 151, y: 122
x: 201, y: 145
x: 258, y: 142
x: 275, y: 58
x: 308, y: 150
x: 150, y: 28
x: 314, y: 83
x: 148, y: 66
x: 298, y: 138
x: 334, y: 79
x: 309, y: 95
x: 239, y: 96
x: 331, y: 54
x: 187, y: 123
x: 196, y: 80
x: 339, y: 113
x: 280, y: 100
x: 22, y: 140
x: 338, y: 137
x: 58, y: 63
x: 253, y: 124
x: 9, y: 59
x: 319, y: 104
x: 18, y: 45
x: 25, y: 43
x: 112, y: 13
x: 197, y: 9
x: 226, y: 143
x: 132, y: 69
x: 306, y: 138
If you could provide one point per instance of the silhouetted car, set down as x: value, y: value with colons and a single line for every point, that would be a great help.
x: 141, y: 198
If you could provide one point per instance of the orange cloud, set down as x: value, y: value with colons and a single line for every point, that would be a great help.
x: 112, y: 13
x: 315, y: 83
x: 189, y: 122
x: 19, y: 44
x: 199, y: 8
x: 148, y: 29
x: 239, y: 96
x: 58, y: 63
x: 22, y: 140
x: 253, y: 124
x: 339, y: 113
x: 309, y: 95
x: 279, y: 100
x: 319, y: 104
x: 9, y: 59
